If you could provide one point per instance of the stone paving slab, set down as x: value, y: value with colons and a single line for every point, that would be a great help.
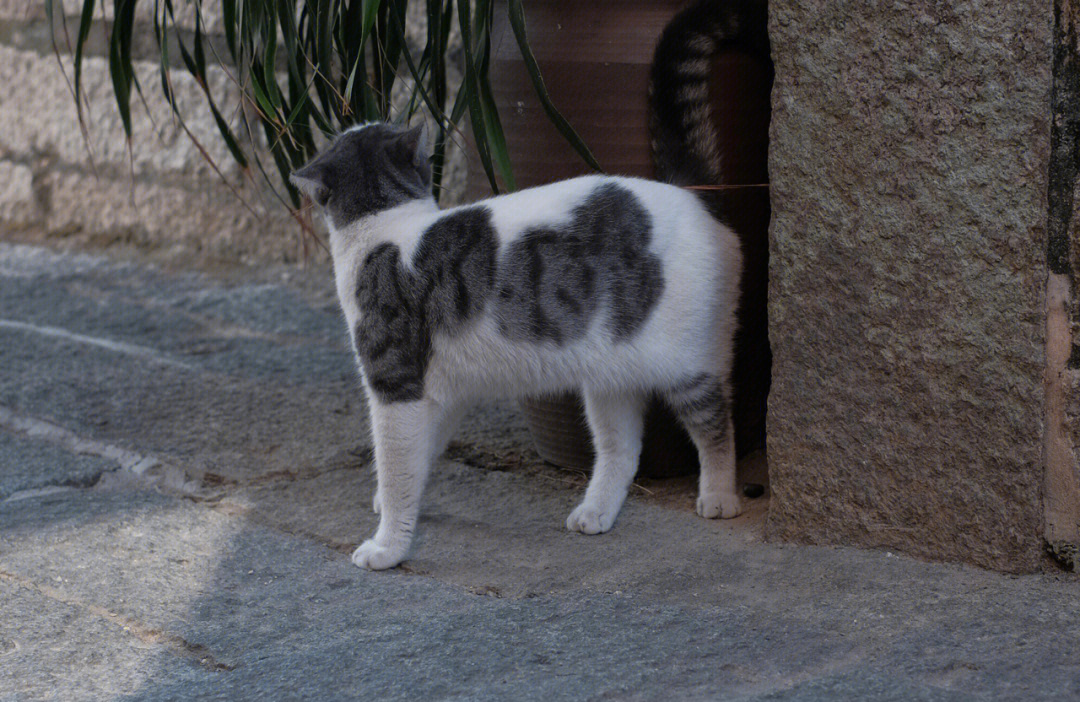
x: 234, y: 582
x: 251, y: 328
x: 29, y: 464
x: 55, y: 650
x: 232, y: 427
x: 504, y: 534
x: 254, y: 612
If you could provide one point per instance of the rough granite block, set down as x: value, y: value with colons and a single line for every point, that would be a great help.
x: 39, y: 124
x: 909, y: 159
x: 18, y: 204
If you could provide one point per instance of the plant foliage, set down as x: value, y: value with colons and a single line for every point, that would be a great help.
x: 304, y: 67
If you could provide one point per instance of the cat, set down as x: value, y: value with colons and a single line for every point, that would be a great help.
x: 619, y: 287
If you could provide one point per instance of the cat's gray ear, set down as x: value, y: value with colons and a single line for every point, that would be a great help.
x: 412, y: 145
x: 415, y: 142
x: 311, y: 180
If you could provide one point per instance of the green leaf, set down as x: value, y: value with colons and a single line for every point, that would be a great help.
x: 228, y: 20
x: 80, y: 43
x: 228, y: 137
x: 261, y: 97
x: 296, y: 111
x: 352, y: 78
x: 324, y: 26
x: 517, y: 23
x: 120, y: 68
x: 471, y: 91
x: 121, y: 89
x: 393, y: 45
x: 270, y: 58
x: 495, y: 136
x: 197, y: 44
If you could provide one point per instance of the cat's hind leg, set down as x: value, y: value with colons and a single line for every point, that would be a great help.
x: 403, y: 447
x: 703, y: 404
x: 616, y: 425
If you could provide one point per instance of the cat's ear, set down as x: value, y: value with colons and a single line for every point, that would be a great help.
x: 414, y: 142
x: 410, y: 146
x: 312, y: 180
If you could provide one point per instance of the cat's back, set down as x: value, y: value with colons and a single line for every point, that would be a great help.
x: 587, y: 275
x: 613, y: 204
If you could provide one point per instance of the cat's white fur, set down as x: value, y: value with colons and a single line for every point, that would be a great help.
x: 688, y: 332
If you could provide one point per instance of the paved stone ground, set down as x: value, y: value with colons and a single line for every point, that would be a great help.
x: 184, y: 470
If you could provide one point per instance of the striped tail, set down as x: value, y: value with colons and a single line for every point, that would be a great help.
x: 682, y: 135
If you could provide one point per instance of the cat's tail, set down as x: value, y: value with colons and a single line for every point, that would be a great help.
x: 682, y: 137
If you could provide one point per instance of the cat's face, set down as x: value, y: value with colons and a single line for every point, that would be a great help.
x: 367, y: 169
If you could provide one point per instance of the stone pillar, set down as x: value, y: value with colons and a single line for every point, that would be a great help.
x: 909, y: 158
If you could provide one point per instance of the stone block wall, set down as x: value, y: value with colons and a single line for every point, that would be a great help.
x: 161, y: 197
x: 910, y: 159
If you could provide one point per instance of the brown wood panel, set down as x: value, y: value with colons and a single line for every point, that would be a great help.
x: 595, y: 58
x: 596, y: 31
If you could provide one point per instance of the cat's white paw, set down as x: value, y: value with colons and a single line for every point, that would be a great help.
x: 719, y: 504
x: 590, y: 519
x: 376, y: 503
x: 372, y: 556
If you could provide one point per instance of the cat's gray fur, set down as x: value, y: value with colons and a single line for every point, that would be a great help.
x: 371, y: 170
x: 552, y: 280
x: 682, y: 134
x: 451, y: 277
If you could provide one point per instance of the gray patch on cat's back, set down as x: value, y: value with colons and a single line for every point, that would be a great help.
x: 456, y: 258
x: 451, y: 278
x: 552, y: 281
x: 549, y: 285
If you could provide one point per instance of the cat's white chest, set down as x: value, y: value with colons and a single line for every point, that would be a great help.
x: 346, y: 266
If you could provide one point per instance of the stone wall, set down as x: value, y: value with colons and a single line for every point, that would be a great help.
x: 909, y: 161
x: 161, y: 197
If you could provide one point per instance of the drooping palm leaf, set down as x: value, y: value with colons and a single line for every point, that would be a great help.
x: 517, y: 23
x: 304, y: 67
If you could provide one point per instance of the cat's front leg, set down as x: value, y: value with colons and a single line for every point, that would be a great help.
x: 403, y: 443
x: 616, y: 422
x: 445, y: 423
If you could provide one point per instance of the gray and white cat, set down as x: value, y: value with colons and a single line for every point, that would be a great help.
x: 619, y: 287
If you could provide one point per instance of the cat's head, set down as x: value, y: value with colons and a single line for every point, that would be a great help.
x: 367, y: 169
